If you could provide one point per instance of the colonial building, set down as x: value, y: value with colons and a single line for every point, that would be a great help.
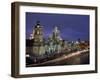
x: 40, y: 46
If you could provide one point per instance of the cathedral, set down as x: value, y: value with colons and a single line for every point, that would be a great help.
x: 40, y: 46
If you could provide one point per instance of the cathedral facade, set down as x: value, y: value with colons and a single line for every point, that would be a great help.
x: 40, y: 46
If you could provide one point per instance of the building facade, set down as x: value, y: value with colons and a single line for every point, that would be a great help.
x: 40, y: 46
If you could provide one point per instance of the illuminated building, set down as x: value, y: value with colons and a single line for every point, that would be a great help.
x: 40, y: 46
x: 38, y: 42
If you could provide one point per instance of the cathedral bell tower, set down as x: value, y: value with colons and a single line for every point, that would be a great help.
x: 38, y: 34
x: 38, y: 44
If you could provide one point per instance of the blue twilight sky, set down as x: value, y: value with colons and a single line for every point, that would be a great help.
x: 72, y: 27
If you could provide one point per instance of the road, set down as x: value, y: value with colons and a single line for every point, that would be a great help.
x: 62, y: 58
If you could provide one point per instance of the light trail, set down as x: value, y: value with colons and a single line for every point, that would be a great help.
x: 61, y: 58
